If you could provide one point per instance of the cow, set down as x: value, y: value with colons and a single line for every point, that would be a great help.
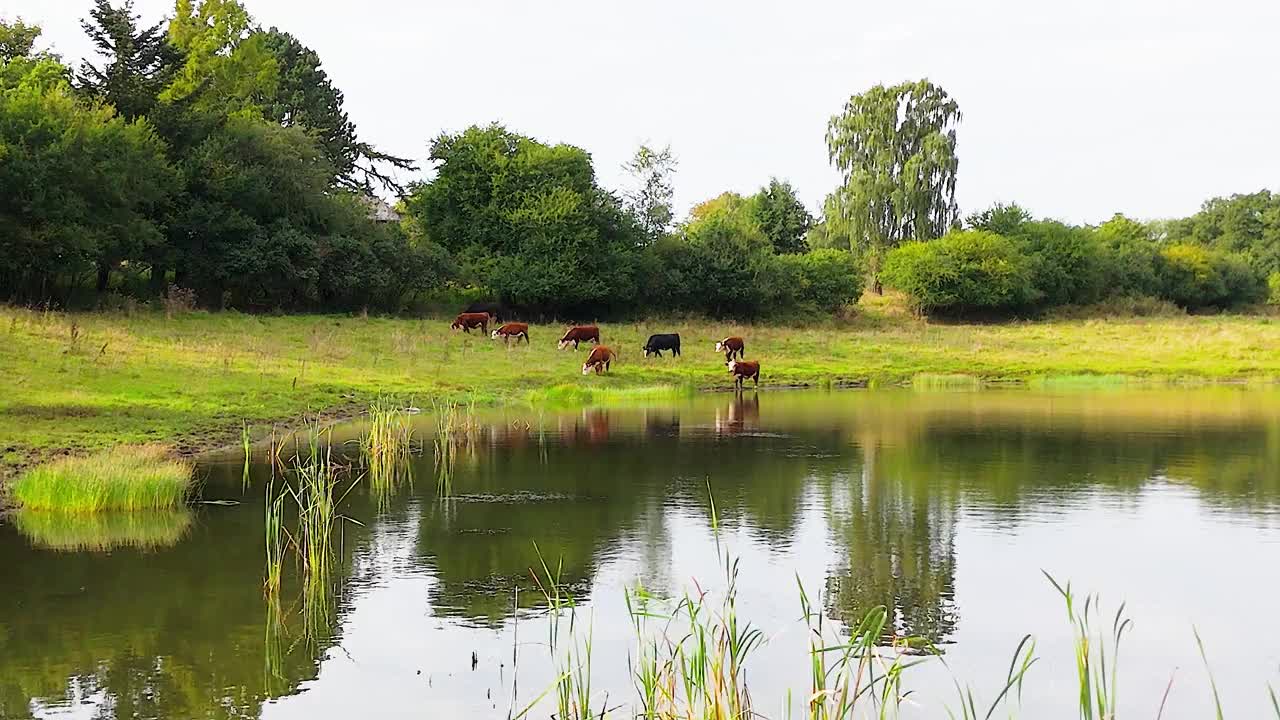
x: 732, y: 346
x: 599, y: 360
x: 658, y: 343
x: 494, y: 310
x: 579, y: 333
x: 512, y: 330
x: 466, y: 321
x: 743, y: 369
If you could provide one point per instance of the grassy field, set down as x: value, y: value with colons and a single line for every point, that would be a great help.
x: 73, y: 382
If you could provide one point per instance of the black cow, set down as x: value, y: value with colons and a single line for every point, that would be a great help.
x: 658, y: 343
x: 494, y: 310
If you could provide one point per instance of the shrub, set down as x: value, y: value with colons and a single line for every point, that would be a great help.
x: 1066, y: 262
x: 962, y: 271
x: 822, y: 280
x: 1196, y: 277
x: 1273, y: 287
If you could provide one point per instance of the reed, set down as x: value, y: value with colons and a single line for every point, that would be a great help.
x: 455, y: 429
x: 387, y: 450
x: 1098, y: 684
x: 275, y: 541
x: 246, y: 445
x: 125, y: 478
x: 945, y: 381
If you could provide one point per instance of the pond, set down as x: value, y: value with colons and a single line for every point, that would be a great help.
x: 946, y: 508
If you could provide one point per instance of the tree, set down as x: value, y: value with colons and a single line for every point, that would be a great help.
x: 782, y: 217
x: 962, y: 271
x: 80, y: 182
x: 651, y: 201
x: 1242, y: 223
x: 896, y: 149
x: 304, y: 96
x: 226, y: 66
x: 529, y: 222
x: 139, y: 62
x: 1000, y: 219
x: 17, y: 40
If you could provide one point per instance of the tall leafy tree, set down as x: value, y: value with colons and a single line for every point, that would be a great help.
x: 651, y: 200
x: 304, y: 96
x: 1244, y: 223
x: 226, y: 66
x: 896, y: 150
x: 782, y: 217
x: 530, y: 221
x: 138, y: 62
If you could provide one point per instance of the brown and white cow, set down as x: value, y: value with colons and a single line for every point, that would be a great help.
x: 579, y: 333
x: 732, y: 346
x: 599, y: 360
x: 743, y: 369
x: 512, y: 330
x: 466, y: 321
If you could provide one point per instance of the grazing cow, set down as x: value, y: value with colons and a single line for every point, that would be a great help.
x: 732, y: 346
x: 512, y: 330
x: 658, y: 343
x: 466, y: 321
x: 579, y: 333
x: 599, y: 360
x: 743, y: 369
x: 494, y: 310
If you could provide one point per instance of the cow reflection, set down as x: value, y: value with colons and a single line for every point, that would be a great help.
x: 591, y: 428
x: 742, y: 414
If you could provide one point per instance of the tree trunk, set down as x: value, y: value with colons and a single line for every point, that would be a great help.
x: 104, y: 276
x: 877, y: 287
x: 157, y: 283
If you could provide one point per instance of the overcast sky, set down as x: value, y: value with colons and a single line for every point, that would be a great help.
x: 1074, y: 109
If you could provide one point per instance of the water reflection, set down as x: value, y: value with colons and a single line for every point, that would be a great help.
x: 168, y: 619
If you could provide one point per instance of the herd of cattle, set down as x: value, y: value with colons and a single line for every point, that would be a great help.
x: 480, y: 315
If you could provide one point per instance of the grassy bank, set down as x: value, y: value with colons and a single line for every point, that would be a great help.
x: 71, y: 382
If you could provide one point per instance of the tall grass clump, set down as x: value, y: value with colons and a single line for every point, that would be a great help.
x: 125, y: 478
x: 101, y: 532
x: 936, y: 381
x: 387, y: 449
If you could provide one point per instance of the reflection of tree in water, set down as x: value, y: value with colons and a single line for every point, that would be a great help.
x: 895, y: 540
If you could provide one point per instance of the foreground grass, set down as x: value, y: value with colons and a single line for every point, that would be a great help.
x: 76, y: 382
x: 127, y: 478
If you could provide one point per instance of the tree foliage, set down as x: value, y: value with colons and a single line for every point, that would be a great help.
x: 304, y: 96
x: 650, y: 202
x: 962, y: 271
x: 895, y: 148
x: 1248, y: 224
x: 529, y: 220
x: 139, y: 61
x: 783, y: 219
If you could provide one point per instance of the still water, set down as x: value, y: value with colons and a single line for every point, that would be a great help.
x: 943, y: 507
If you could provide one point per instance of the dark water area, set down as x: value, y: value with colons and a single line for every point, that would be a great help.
x: 943, y: 507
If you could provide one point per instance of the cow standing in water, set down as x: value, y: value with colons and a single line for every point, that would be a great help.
x: 512, y: 330
x: 599, y: 360
x: 579, y: 333
x: 743, y: 369
x: 466, y: 321
x: 731, y: 347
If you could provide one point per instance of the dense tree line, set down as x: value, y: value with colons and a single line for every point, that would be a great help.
x: 1005, y: 261
x: 209, y: 154
x: 203, y: 152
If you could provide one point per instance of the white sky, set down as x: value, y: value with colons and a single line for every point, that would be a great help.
x: 1074, y: 109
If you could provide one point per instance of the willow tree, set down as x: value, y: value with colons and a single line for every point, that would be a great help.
x: 896, y: 150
